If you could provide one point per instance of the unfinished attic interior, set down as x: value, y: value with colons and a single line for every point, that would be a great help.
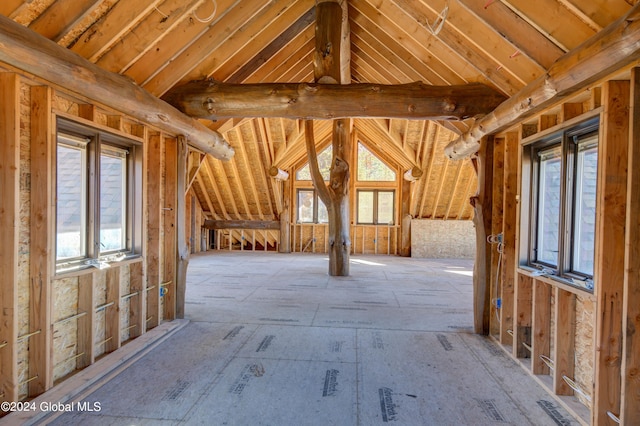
x: 135, y: 135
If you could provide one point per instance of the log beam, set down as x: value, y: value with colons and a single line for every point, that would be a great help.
x: 241, y: 224
x: 39, y: 56
x: 278, y: 174
x: 616, y: 46
x: 216, y: 101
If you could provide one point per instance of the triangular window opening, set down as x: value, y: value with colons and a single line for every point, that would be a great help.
x: 371, y: 168
x: 324, y: 163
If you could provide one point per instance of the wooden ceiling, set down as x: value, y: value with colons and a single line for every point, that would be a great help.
x: 163, y: 43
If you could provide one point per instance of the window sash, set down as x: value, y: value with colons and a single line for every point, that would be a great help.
x: 549, y: 204
x: 306, y: 206
x: 73, y: 201
x: 376, y: 207
x: 311, y: 209
x: 563, y: 171
x: 584, y: 207
x: 113, y: 199
x: 103, y: 180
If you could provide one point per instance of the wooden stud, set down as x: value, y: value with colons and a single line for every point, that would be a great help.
x: 630, y: 395
x: 541, y: 326
x: 169, y: 243
x: 482, y: 220
x: 86, y: 328
x: 564, y: 340
x: 112, y: 329
x: 42, y: 237
x: 115, y: 122
x: 609, y: 251
x: 137, y: 303
x: 497, y: 205
x: 154, y: 217
x: 570, y: 110
x: 182, y: 249
x: 547, y: 121
x: 87, y: 111
x: 9, y: 221
x: 522, y: 312
x: 285, y: 219
x: 509, y: 233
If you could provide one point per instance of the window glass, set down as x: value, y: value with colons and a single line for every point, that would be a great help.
x: 549, y: 205
x: 365, y: 206
x: 371, y: 168
x: 585, y: 206
x: 98, y: 215
x: 71, y: 212
x: 324, y: 164
x: 113, y: 199
x: 564, y: 174
x: 305, y: 205
x: 385, y: 207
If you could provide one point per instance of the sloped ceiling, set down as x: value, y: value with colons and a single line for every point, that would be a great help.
x: 163, y: 43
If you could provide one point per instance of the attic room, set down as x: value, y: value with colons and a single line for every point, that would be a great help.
x: 473, y: 160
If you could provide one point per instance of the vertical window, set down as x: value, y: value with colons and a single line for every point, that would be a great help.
x: 113, y: 199
x: 376, y: 207
x: 584, y: 206
x: 324, y: 164
x: 310, y: 208
x: 549, y: 205
x: 564, y: 176
x: 371, y: 168
x: 72, y: 194
x: 98, y: 218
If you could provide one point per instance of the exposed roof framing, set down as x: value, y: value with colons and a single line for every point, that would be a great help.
x: 159, y: 44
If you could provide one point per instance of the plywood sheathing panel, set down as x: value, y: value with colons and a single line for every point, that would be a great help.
x: 584, y: 345
x: 65, y: 305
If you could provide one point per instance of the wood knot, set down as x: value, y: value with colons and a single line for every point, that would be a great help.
x: 449, y: 106
x: 209, y: 104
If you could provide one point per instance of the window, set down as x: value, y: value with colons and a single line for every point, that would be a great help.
x: 371, y: 168
x: 310, y: 208
x: 324, y: 164
x: 98, y: 218
x: 564, y: 176
x: 376, y: 207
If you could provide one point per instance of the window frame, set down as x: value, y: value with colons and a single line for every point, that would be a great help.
x: 100, y: 142
x: 316, y: 207
x: 375, y: 206
x: 569, y: 140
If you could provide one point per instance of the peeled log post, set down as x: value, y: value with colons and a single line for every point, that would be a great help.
x: 39, y: 56
x: 335, y: 195
x: 331, y: 45
x: 214, y: 100
x: 614, y: 47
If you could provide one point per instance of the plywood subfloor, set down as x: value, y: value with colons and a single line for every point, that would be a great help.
x: 273, y: 340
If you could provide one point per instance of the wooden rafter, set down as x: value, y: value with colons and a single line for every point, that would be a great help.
x: 147, y: 34
x: 248, y: 166
x: 616, y: 46
x: 41, y: 57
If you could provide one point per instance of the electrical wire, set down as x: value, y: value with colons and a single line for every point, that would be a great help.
x: 497, y: 239
x: 439, y: 22
x: 210, y: 17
